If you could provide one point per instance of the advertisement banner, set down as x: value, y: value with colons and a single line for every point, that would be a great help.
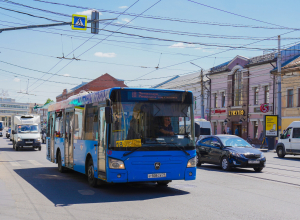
x: 271, y: 125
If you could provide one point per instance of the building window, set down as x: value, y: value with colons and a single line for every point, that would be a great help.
x: 290, y: 98
x: 223, y: 99
x: 237, y: 88
x: 255, y: 95
x: 215, y: 100
x: 266, y: 95
x: 255, y: 129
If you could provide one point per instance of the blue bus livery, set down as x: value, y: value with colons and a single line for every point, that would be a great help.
x: 124, y: 135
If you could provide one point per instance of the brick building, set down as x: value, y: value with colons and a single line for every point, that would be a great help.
x: 102, y: 82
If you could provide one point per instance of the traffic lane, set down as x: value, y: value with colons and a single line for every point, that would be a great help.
x: 212, y: 195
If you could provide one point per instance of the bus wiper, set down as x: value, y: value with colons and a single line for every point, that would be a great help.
x: 130, y: 152
x: 182, y: 149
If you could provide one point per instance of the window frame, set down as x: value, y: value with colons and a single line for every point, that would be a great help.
x: 266, y: 94
x: 255, y: 99
x: 290, y: 96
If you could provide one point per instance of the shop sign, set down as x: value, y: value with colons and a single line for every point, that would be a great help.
x: 271, y: 125
x: 218, y: 111
x: 264, y: 108
x: 237, y: 112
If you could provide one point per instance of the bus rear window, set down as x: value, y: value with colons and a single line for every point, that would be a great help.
x: 204, y: 131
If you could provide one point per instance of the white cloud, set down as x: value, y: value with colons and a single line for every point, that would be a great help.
x: 67, y: 74
x: 87, y: 13
x: 108, y: 55
x: 181, y: 45
x: 17, y: 80
x: 126, y: 20
x: 123, y: 7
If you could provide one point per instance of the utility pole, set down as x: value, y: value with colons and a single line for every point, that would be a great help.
x: 202, y: 90
x: 279, y: 86
x: 202, y: 94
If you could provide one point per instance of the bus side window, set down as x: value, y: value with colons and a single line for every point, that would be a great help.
x: 78, y: 124
x: 91, y: 123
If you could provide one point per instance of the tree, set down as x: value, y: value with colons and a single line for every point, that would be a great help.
x: 48, y: 101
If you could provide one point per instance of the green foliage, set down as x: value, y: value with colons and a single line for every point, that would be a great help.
x: 48, y: 101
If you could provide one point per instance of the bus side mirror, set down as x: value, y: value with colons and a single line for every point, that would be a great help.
x: 197, y: 130
x: 108, y: 115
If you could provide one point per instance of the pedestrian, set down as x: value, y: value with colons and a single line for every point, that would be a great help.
x: 236, y: 132
x: 224, y: 132
x: 229, y: 131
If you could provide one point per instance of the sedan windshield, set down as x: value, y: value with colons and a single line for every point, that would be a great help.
x: 234, y: 142
x: 27, y: 128
x: 143, y: 124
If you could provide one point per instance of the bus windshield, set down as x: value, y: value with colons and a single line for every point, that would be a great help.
x: 147, y: 124
x: 27, y: 128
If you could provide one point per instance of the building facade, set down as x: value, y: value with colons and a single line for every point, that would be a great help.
x: 9, y: 107
x: 190, y: 82
x: 103, y: 82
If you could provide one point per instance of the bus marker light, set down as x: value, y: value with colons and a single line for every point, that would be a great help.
x: 119, y: 175
x: 190, y: 173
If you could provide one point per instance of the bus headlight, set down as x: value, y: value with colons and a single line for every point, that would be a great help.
x: 19, y: 139
x: 191, y: 162
x: 116, y: 164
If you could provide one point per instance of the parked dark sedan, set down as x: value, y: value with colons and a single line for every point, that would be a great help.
x: 229, y: 151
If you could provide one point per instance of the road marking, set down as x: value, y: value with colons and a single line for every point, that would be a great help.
x: 15, y: 164
x: 35, y: 163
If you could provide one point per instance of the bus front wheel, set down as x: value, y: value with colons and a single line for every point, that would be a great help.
x: 90, y: 173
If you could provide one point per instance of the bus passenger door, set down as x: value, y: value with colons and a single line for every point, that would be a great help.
x: 102, y: 145
x: 52, y: 123
x: 69, y: 139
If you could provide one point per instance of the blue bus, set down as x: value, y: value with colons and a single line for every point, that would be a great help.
x: 123, y: 135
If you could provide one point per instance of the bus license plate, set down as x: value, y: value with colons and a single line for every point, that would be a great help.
x: 157, y: 175
x: 253, y: 161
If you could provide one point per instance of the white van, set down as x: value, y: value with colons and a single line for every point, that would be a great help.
x: 205, y: 127
x: 26, y: 131
x: 289, y: 142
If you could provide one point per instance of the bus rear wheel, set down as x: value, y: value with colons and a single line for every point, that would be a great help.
x: 90, y: 174
x: 61, y: 169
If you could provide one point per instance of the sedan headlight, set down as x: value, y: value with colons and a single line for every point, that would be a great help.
x: 236, y: 154
x: 19, y: 139
x: 262, y: 155
x: 191, y: 162
x: 116, y: 164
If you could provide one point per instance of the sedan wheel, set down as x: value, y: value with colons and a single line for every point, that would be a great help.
x: 225, y: 164
x: 198, y: 160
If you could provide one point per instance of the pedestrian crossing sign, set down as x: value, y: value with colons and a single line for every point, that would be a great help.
x: 79, y: 22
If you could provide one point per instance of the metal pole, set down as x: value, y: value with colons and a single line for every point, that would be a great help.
x: 202, y: 95
x: 279, y: 86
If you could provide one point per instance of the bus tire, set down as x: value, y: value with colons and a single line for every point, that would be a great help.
x: 61, y: 169
x: 90, y: 174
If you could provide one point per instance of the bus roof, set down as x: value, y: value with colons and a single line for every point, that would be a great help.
x: 99, y: 96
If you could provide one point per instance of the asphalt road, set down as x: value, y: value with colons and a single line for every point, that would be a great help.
x: 32, y: 188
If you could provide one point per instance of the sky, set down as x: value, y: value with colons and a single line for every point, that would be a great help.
x: 147, y: 52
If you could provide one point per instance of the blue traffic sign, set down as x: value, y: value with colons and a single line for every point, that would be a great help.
x: 79, y: 22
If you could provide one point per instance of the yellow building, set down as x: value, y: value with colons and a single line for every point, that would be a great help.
x: 290, y: 88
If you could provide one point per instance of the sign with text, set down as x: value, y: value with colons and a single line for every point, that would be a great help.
x: 237, y: 112
x: 218, y: 111
x: 271, y: 125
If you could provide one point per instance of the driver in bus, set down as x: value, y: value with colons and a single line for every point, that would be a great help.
x: 166, y: 129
